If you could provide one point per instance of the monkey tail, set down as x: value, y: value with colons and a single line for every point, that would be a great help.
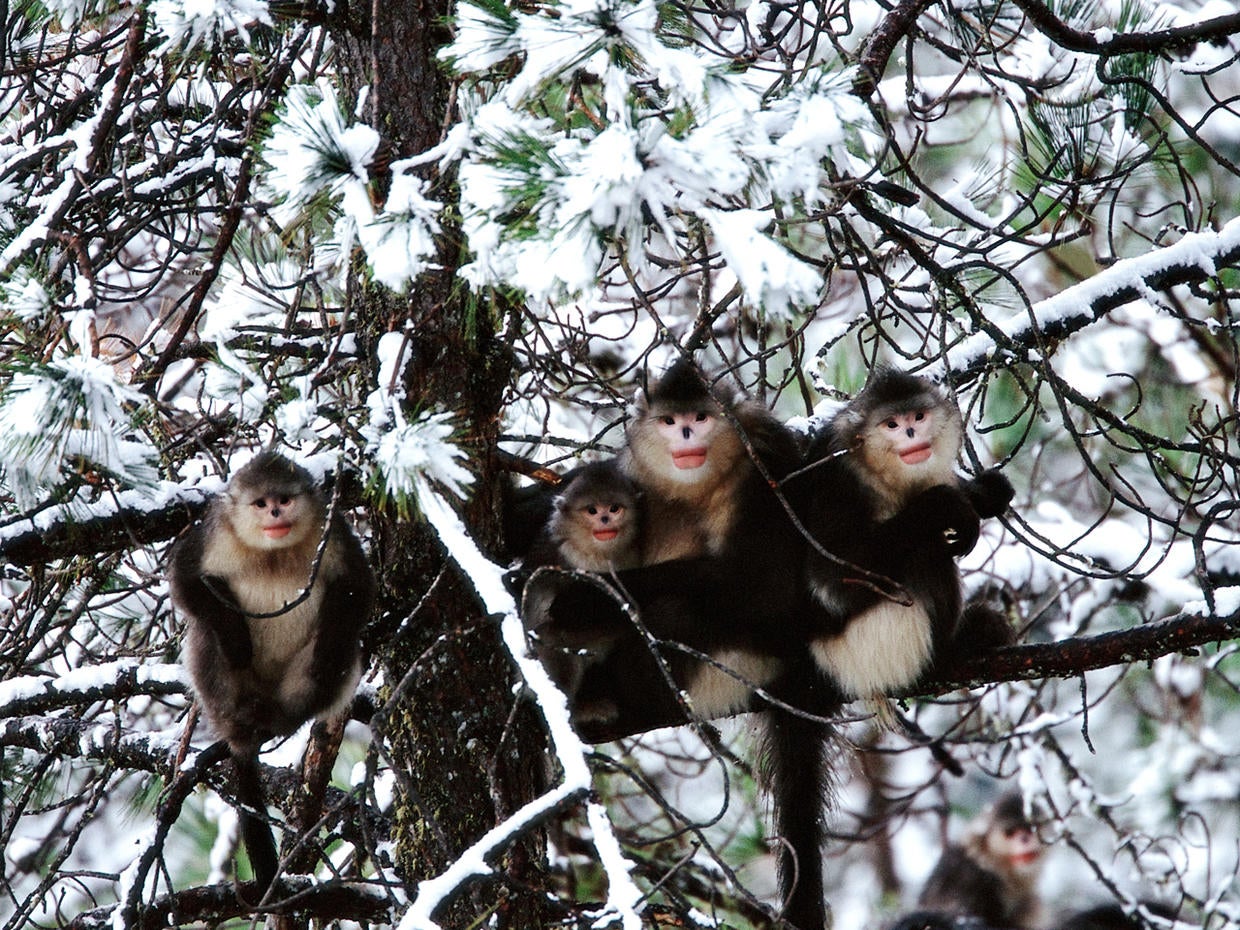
x: 260, y: 845
x: 796, y: 767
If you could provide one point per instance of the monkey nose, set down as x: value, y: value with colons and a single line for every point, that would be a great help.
x: 686, y: 432
x: 910, y: 432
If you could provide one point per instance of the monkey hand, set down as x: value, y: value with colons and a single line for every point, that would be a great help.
x: 990, y: 492
x: 945, y: 512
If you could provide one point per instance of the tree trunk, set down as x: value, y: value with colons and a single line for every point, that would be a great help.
x: 466, y: 749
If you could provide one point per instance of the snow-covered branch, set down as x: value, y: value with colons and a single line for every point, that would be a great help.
x: 113, y: 681
x: 623, y: 895
x: 1196, y: 257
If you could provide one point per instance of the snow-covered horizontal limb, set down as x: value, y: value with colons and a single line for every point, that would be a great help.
x: 1197, y: 257
x: 108, y: 682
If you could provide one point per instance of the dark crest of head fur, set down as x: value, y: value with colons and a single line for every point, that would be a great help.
x: 1010, y: 809
x: 684, y: 388
x: 893, y: 390
x: 272, y: 472
x: 596, y: 479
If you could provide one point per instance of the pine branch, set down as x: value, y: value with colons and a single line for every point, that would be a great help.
x: 1157, y: 41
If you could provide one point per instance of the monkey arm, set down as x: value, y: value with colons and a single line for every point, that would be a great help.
x: 575, y: 610
x: 210, y: 600
x: 941, y: 517
x: 907, y: 554
x: 348, y: 599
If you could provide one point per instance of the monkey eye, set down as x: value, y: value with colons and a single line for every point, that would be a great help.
x: 667, y: 420
x: 892, y: 424
x: 592, y: 510
x: 920, y: 415
x: 616, y: 508
x: 260, y: 503
x: 285, y: 500
x: 702, y: 416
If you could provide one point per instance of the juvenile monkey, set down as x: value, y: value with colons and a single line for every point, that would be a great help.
x: 890, y: 508
x: 272, y: 636
x: 595, y: 523
x: 992, y: 876
x: 595, y: 526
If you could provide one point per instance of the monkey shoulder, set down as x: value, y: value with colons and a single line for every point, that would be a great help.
x: 778, y: 448
x: 349, y: 588
x: 840, y: 504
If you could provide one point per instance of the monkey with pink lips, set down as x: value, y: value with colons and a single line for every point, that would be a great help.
x: 718, y: 573
x: 895, y: 514
x: 274, y: 589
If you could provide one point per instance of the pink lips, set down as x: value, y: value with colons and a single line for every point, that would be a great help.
x: 606, y: 535
x: 915, y: 455
x: 277, y: 530
x: 690, y: 458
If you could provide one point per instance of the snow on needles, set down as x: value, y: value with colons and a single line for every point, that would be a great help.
x: 194, y: 22
x: 668, y: 146
x: 71, y: 408
x: 314, y: 150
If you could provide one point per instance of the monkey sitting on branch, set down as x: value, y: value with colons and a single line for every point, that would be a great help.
x: 890, y: 515
x: 886, y: 515
x: 274, y: 590
x: 595, y: 526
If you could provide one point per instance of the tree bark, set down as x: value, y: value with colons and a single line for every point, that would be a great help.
x: 466, y: 749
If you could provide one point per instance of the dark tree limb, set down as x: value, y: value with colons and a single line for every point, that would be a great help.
x: 1063, y: 659
x: 214, y: 904
x: 1071, y: 657
x: 882, y: 42
x: 902, y: 18
x: 1156, y: 42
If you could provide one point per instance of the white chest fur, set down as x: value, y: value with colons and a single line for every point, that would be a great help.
x: 271, y: 589
x: 883, y: 649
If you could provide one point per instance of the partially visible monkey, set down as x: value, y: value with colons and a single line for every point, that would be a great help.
x: 595, y: 523
x: 1115, y: 917
x: 273, y: 627
x: 595, y: 526
x: 721, y: 561
x: 992, y: 876
x: 890, y: 509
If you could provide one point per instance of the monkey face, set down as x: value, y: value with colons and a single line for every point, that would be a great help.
x: 605, y: 521
x: 273, y: 518
x: 687, y: 437
x: 915, y: 445
x: 1018, y: 846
